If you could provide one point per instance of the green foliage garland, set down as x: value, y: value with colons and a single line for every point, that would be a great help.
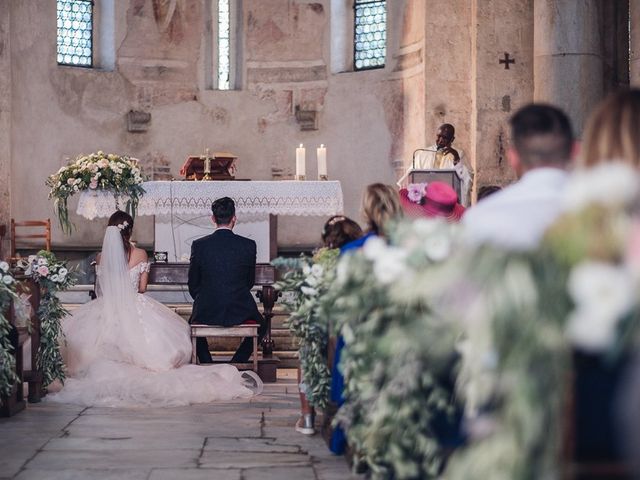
x: 398, y: 357
x: 8, y: 376
x: 53, y: 276
x: 308, y: 279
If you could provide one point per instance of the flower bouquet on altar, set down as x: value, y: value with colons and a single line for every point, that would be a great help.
x: 96, y: 171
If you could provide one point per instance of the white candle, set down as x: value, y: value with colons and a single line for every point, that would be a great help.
x: 322, y: 162
x: 300, y: 165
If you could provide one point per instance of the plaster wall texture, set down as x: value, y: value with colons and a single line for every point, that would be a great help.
x: 5, y: 113
x: 568, y: 63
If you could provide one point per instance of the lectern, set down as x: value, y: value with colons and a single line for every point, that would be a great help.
x: 448, y: 176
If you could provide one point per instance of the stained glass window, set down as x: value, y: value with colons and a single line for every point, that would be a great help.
x: 370, y: 34
x: 75, y: 32
x: 224, y: 45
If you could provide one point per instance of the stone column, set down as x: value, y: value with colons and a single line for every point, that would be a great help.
x: 568, y: 67
x: 634, y: 60
x: 5, y: 114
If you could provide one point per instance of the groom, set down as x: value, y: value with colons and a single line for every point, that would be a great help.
x: 221, y: 274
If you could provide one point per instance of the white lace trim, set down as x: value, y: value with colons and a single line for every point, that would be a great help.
x: 253, y: 198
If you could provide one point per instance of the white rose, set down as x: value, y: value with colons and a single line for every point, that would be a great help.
x: 603, y: 293
x: 317, y: 270
x: 7, y: 279
x: 308, y: 291
x: 32, y: 258
x: 390, y: 266
x: 437, y: 246
x: 42, y: 261
x: 374, y: 248
x: 609, y: 184
x: 54, y: 278
x: 63, y: 271
x: 4, y: 266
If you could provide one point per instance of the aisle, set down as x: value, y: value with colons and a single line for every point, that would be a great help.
x: 247, y: 440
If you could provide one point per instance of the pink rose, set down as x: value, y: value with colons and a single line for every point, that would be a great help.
x: 415, y: 191
x: 43, y: 270
x: 94, y: 184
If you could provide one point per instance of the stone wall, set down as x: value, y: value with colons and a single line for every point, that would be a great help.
x: 60, y: 112
x: 5, y: 114
x: 442, y: 66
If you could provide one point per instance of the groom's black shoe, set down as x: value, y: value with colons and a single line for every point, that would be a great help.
x: 202, y: 350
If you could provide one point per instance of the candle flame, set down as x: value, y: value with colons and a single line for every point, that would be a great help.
x: 300, y: 145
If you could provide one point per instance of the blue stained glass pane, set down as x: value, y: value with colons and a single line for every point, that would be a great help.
x: 370, y: 33
x: 74, y: 37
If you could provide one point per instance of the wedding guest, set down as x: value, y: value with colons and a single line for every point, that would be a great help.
x: 433, y: 200
x: 612, y: 131
x: 221, y: 274
x: 541, y: 152
x: 380, y: 206
x: 608, y: 391
x: 336, y: 232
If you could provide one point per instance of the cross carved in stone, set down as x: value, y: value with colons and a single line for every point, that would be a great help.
x: 506, y: 61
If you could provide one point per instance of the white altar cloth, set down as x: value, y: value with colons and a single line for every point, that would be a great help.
x: 183, y: 209
x: 253, y: 198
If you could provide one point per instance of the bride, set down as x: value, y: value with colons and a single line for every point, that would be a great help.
x: 126, y: 349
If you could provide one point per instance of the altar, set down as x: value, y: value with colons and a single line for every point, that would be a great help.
x: 182, y: 209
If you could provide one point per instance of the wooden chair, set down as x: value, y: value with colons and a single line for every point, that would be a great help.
x: 31, y: 224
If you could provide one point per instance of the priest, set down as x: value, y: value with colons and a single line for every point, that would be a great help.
x: 442, y: 155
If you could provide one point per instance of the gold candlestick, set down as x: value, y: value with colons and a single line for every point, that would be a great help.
x: 207, y: 166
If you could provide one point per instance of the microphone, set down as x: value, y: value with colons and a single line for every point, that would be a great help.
x: 413, y: 159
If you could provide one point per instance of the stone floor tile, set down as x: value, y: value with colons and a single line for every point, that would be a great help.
x: 84, y: 474
x: 181, y: 441
x: 194, y: 474
x: 247, y: 445
x: 252, y: 459
x: 279, y: 473
x: 113, y: 459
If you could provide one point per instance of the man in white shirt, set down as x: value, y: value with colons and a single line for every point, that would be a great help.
x: 442, y: 155
x: 517, y: 217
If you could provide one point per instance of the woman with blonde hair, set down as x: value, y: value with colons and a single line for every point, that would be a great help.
x: 380, y: 203
x: 613, y: 131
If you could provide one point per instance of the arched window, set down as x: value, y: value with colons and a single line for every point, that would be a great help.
x: 370, y: 34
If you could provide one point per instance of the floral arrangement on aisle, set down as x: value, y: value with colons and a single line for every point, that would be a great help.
x: 308, y: 278
x: 53, y: 276
x: 8, y: 376
x: 399, y: 355
x: 97, y: 171
x: 528, y: 312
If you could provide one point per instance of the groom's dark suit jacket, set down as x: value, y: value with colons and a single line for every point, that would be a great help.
x: 221, y: 274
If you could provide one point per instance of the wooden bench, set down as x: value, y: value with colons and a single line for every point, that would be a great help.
x: 265, y: 277
x: 200, y: 330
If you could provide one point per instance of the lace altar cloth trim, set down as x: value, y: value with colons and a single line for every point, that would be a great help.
x: 255, y: 198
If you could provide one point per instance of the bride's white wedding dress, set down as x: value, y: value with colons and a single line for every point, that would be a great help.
x: 126, y: 349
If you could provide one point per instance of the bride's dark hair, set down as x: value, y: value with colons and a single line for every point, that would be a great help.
x: 124, y: 222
